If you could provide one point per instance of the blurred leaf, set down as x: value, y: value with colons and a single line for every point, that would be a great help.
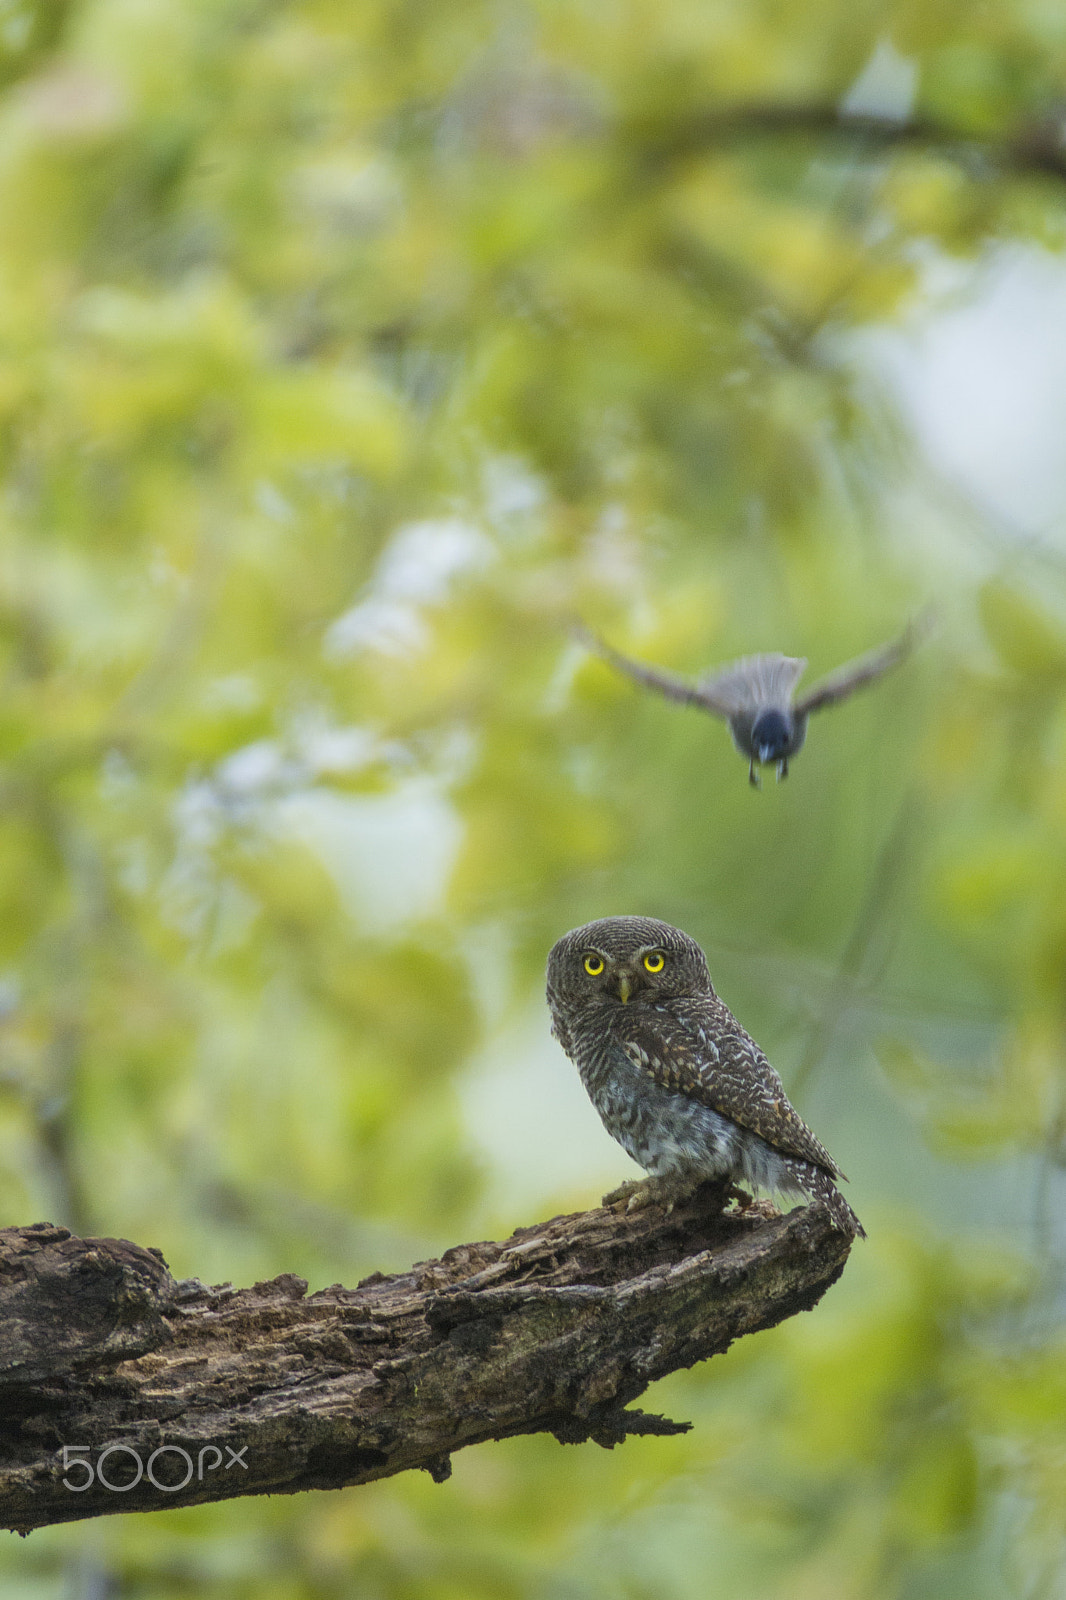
x: 1025, y: 635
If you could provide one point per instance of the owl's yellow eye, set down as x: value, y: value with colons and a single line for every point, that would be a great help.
x: 655, y: 963
x: 593, y: 966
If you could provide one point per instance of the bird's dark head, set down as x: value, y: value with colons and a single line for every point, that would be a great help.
x: 771, y: 735
x: 626, y: 961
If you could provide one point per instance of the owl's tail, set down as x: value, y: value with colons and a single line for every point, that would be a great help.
x: 816, y: 1183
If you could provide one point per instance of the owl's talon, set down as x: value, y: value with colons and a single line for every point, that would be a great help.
x: 627, y: 1197
x: 639, y: 1193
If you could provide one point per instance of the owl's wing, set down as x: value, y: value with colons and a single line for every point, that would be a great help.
x: 710, y: 1058
x: 665, y: 683
x: 754, y: 682
x: 864, y: 669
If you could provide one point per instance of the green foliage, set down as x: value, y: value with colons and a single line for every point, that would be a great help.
x: 346, y: 352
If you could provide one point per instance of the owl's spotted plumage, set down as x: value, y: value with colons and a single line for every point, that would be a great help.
x: 675, y: 1078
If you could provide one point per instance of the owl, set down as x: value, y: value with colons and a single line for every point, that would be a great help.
x: 755, y: 695
x: 675, y: 1078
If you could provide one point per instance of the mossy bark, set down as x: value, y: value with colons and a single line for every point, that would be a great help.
x: 203, y: 1393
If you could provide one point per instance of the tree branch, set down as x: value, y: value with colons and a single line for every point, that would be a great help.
x: 1037, y: 149
x: 153, y: 1393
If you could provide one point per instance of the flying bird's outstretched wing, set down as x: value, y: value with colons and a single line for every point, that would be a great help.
x: 863, y: 670
x: 665, y: 683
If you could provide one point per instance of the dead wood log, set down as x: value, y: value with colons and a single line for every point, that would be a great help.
x: 123, y: 1390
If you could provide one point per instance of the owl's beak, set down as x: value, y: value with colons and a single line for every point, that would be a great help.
x: 625, y: 987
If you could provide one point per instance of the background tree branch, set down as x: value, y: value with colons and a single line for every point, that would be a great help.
x: 202, y: 1394
x: 1036, y: 148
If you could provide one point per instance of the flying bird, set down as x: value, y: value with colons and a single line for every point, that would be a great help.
x: 675, y: 1078
x: 755, y: 695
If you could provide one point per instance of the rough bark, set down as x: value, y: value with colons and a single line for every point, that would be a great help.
x: 557, y: 1329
